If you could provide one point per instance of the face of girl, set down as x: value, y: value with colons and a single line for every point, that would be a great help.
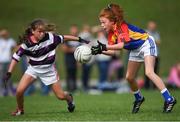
x: 106, y: 24
x: 39, y: 33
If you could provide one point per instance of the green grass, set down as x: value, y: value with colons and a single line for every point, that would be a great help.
x: 63, y: 13
x: 106, y: 107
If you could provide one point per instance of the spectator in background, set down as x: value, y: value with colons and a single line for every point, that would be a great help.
x: 103, y: 62
x: 152, y: 31
x: 116, y: 69
x: 6, y: 46
x: 70, y: 62
x: 174, y: 76
x: 86, y: 67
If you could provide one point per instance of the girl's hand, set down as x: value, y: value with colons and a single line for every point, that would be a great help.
x: 98, y: 48
x: 83, y: 40
x: 6, y: 79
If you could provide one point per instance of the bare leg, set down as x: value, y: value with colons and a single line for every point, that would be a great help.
x: 132, y: 70
x: 25, y: 81
x: 60, y: 94
x: 149, y: 70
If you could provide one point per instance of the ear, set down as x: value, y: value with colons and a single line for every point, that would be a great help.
x: 32, y: 31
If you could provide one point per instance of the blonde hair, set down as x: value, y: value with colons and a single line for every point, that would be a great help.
x: 113, y: 12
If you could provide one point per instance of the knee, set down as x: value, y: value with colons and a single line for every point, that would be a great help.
x: 19, y: 92
x: 149, y: 73
x: 130, y: 78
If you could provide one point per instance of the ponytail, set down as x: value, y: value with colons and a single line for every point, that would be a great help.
x: 24, y: 38
x: 51, y: 27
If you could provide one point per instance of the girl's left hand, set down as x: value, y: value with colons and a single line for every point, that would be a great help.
x: 98, y: 49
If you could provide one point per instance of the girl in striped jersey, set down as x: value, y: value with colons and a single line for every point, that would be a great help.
x: 142, y: 48
x: 39, y: 47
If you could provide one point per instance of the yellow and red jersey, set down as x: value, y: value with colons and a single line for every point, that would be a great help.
x: 132, y: 36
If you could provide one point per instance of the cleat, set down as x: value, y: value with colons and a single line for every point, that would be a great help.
x: 17, y: 112
x: 71, y: 104
x: 168, y: 106
x: 137, y: 105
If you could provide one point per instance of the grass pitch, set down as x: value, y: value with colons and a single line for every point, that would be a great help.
x: 105, y: 107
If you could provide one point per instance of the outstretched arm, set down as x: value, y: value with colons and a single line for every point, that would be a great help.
x: 74, y: 38
x: 107, y: 50
x: 70, y: 38
x: 110, y: 52
x: 118, y: 46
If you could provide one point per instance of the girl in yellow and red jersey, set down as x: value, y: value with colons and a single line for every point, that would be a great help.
x: 142, y: 49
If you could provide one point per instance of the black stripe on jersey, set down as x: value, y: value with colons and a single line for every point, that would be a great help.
x: 30, y: 44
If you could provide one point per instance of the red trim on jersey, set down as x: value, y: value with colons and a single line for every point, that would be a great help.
x: 119, y: 34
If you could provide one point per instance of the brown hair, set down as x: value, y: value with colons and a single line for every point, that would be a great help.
x: 113, y: 12
x: 32, y: 26
x: 51, y: 27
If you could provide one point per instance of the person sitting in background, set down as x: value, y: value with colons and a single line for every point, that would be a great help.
x: 174, y: 76
x: 6, y: 46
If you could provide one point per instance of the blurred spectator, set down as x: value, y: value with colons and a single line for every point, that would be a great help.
x: 103, y: 61
x: 152, y: 31
x: 116, y: 70
x: 174, y: 76
x: 6, y: 46
x: 86, y: 67
x: 70, y: 62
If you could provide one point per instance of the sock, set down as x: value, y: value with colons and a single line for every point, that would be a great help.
x: 138, y: 95
x: 167, y: 97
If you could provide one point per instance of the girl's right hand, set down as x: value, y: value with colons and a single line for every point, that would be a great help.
x: 6, y: 78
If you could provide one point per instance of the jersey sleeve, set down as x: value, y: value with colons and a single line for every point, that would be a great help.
x: 20, y: 52
x: 58, y: 39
